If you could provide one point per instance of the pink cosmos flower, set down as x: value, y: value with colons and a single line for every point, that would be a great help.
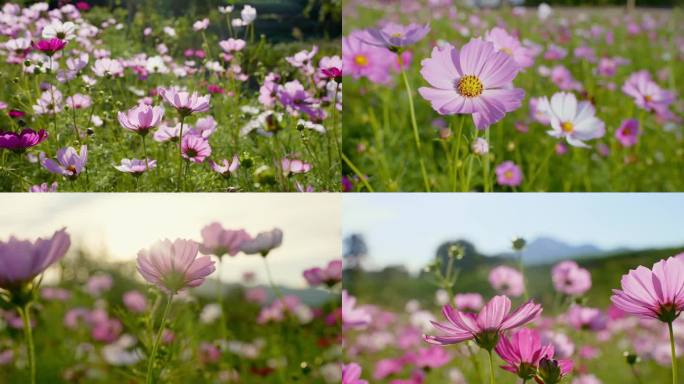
x: 628, y: 132
x: 656, y: 293
x: 477, y: 80
x: 69, y: 162
x: 200, y: 25
x: 428, y: 358
x: 570, y: 279
x: 136, y: 167
x: 107, y: 67
x: 141, y: 118
x: 49, y: 46
x: 351, y: 374
x: 293, y: 166
x: 185, y: 103
x: 507, y: 280
x: 232, y: 45
x: 224, y: 167
x: 44, y: 187
x: 204, y: 127
x: 330, y: 275
x: 586, y: 318
x: 353, y: 317
x: 562, y: 77
x: 395, y: 36
x: 195, y: 148
x: 647, y: 93
x: 263, y: 243
x: 574, y: 121
x: 508, y: 174
x: 522, y: 352
x: 135, y: 301
x: 363, y: 60
x: 485, y: 327
x: 78, y: 101
x: 19, y: 142
x: 468, y: 302
x: 174, y: 266
x: 510, y: 45
x: 22, y: 260
x: 219, y: 241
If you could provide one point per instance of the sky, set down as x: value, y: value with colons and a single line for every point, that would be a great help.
x: 123, y: 224
x: 407, y: 228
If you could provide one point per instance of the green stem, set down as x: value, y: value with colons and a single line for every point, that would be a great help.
x: 25, y: 314
x: 157, y: 339
x: 672, y: 351
x: 275, y: 289
x: 486, y: 165
x: 491, y: 367
x: 416, y: 136
x: 357, y: 172
x: 180, y: 154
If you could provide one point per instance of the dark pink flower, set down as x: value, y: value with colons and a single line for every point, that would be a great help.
x: 195, y: 148
x: 485, y: 327
x: 21, y: 141
x: 628, y: 132
x: 49, y: 46
x: 523, y: 352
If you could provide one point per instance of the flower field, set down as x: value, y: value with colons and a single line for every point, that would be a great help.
x: 93, y: 100
x: 449, y: 98
x: 508, y: 324
x: 166, y: 318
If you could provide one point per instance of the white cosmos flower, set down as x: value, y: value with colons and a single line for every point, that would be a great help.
x: 248, y: 14
x: 574, y: 121
x: 59, y: 30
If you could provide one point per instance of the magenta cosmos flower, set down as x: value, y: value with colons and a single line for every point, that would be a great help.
x: 628, y: 132
x: 174, y: 266
x: 186, y: 103
x: 477, y: 80
x: 485, y: 327
x: 195, y: 148
x: 22, y: 260
x: 49, y: 46
x: 507, y: 280
x: 352, y: 316
x: 141, y: 118
x: 219, y: 241
x: 395, y: 36
x: 508, y: 174
x: 363, y: 60
x: 330, y: 275
x: 19, y: 142
x: 263, y: 243
x: 656, y: 293
x: 351, y: 374
x: 570, y: 279
x: 523, y: 352
x: 552, y: 371
x: 69, y: 162
x: 224, y: 167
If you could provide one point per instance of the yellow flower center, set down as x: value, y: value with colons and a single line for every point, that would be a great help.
x: 647, y: 98
x: 469, y: 86
x: 508, y: 174
x: 361, y: 60
x: 567, y: 127
x: 397, y: 34
x: 507, y: 51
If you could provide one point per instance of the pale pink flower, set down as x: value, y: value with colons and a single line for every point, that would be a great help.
x: 22, y: 260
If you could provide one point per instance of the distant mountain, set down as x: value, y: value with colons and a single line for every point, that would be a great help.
x: 309, y: 296
x: 546, y: 250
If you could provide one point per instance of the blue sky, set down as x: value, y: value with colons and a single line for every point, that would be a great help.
x: 407, y: 228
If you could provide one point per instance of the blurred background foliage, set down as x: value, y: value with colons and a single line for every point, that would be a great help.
x: 393, y: 284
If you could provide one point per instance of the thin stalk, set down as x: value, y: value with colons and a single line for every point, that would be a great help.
x: 157, y: 339
x: 25, y: 314
x: 147, y: 160
x: 491, y: 367
x: 180, y: 154
x: 357, y: 172
x: 275, y: 289
x: 522, y: 273
x: 486, y: 165
x: 672, y: 351
x: 637, y: 378
x: 416, y: 136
